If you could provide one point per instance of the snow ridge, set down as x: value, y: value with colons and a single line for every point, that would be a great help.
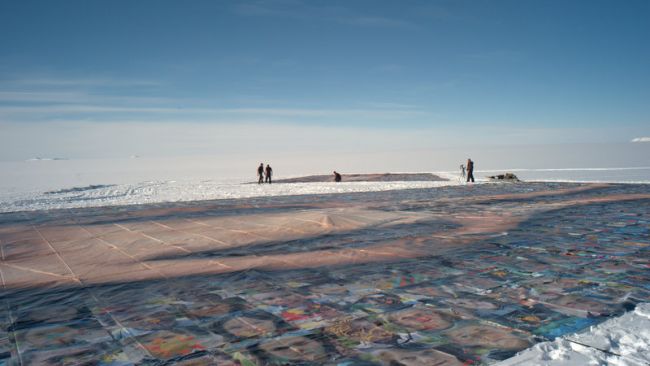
x: 621, y: 341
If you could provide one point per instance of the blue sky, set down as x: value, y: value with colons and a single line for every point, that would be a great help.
x: 325, y: 74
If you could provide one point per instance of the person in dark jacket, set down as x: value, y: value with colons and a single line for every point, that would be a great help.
x: 470, y: 170
x: 269, y: 173
x: 337, y: 177
x: 260, y: 173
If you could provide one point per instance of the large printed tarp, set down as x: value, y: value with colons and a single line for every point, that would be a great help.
x: 460, y: 275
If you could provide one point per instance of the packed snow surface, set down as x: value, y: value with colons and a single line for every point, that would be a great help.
x: 178, y: 191
x: 620, y: 341
x: 48, y: 183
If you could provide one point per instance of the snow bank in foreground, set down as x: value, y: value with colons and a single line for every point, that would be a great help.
x: 177, y: 191
x: 620, y: 341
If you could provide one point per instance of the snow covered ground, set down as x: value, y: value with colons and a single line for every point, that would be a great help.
x: 49, y: 183
x: 620, y: 341
x: 178, y: 191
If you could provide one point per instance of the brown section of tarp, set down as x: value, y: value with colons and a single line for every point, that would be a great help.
x: 161, y: 243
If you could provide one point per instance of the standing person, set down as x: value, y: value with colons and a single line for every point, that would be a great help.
x: 470, y: 170
x: 260, y: 173
x: 462, y: 172
x: 337, y: 177
x: 269, y: 173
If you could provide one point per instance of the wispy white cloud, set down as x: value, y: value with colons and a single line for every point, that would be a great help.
x: 72, y: 108
x: 94, y: 82
x: 387, y: 68
x: 72, y: 112
x: 48, y: 97
x: 307, y: 11
x: 390, y: 105
x: 641, y: 139
x: 77, y: 97
x: 376, y: 21
x: 301, y: 112
x: 32, y: 91
x: 264, y: 9
x: 496, y: 56
x: 293, y: 9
